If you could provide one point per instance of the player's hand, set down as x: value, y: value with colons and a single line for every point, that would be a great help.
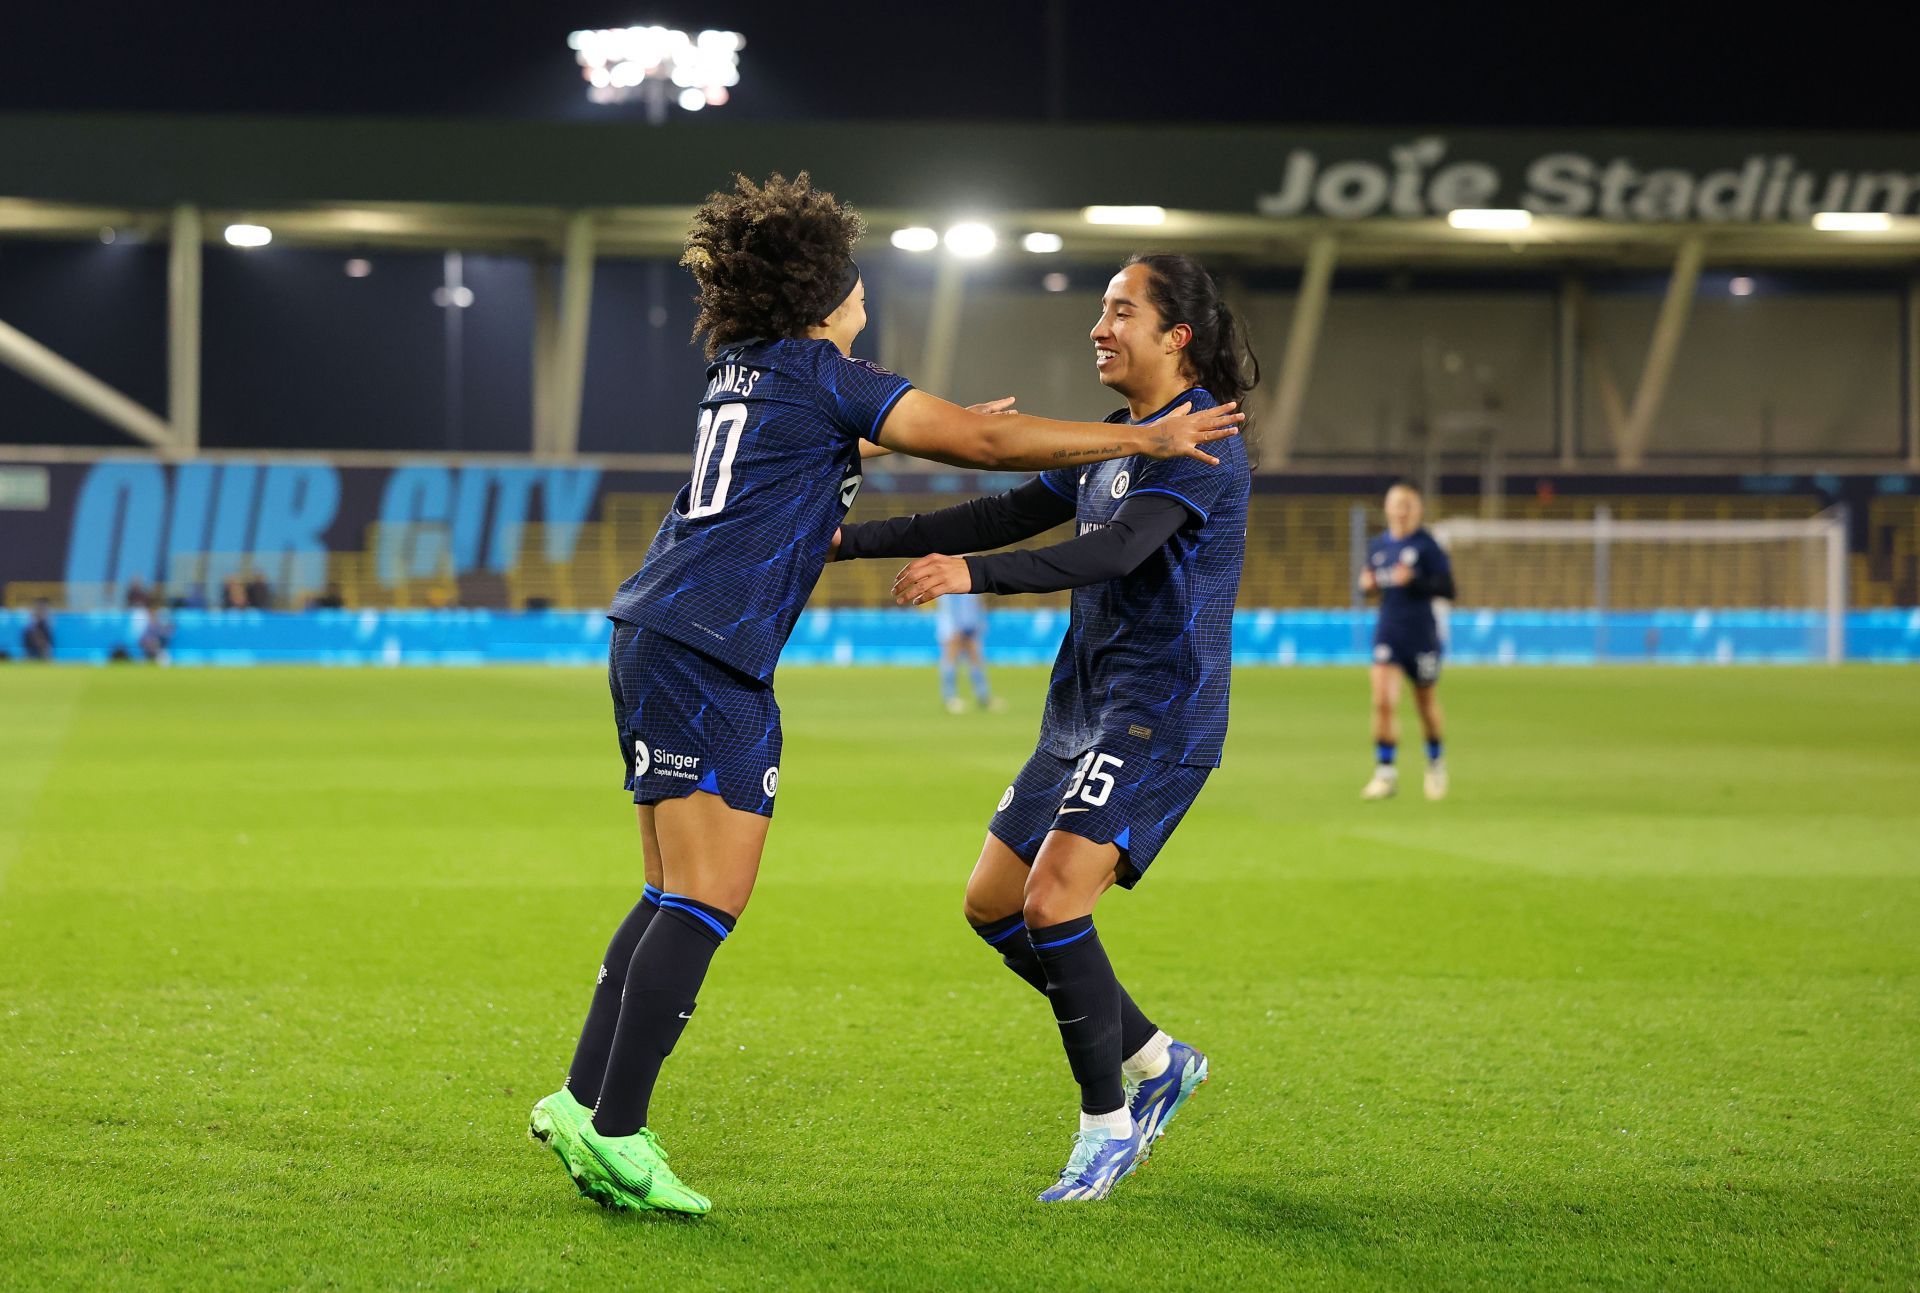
x: 1368, y: 584
x: 1181, y: 433
x: 1402, y: 576
x: 929, y: 577
x: 833, y: 549
x: 1002, y: 405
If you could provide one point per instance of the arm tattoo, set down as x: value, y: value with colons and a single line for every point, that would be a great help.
x: 1088, y: 454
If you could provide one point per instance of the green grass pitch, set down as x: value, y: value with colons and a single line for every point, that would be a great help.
x: 286, y: 955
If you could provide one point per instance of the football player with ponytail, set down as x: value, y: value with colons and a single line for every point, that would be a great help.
x: 1137, y: 708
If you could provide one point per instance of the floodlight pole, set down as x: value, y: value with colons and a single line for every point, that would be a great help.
x: 943, y: 325
x: 1911, y: 362
x: 1303, y: 337
x: 569, y: 372
x: 34, y: 361
x: 546, y: 329
x: 1665, y: 348
x: 1571, y: 320
x: 183, y: 329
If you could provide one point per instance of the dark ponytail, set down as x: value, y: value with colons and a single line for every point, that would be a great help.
x: 1219, y: 357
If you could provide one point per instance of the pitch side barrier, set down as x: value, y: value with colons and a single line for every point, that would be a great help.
x: 871, y: 636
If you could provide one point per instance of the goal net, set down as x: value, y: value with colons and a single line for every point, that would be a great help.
x: 1608, y: 590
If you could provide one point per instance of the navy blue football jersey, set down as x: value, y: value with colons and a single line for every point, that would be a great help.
x: 1406, y: 614
x: 776, y: 465
x: 1149, y: 656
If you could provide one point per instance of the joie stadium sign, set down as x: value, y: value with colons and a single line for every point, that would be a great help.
x: 1422, y: 177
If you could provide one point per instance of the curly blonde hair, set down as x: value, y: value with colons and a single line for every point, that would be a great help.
x: 769, y: 259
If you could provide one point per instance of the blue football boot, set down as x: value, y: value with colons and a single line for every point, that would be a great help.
x: 1156, y: 1100
x: 1099, y: 1160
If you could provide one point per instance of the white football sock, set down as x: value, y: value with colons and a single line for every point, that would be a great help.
x: 1118, y: 1124
x: 1150, y: 1061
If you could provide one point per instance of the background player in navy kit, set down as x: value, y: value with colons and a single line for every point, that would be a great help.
x: 699, y: 628
x: 1137, y: 708
x: 1408, y: 568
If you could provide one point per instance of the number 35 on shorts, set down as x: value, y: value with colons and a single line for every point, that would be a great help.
x: 1093, y: 779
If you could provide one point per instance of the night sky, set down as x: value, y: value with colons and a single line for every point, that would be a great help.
x: 1074, y: 60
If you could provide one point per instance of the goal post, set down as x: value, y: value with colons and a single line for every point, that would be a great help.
x: 1668, y: 589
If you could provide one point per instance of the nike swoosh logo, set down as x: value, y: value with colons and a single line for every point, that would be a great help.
x: 1064, y: 811
x: 1059, y: 1020
x: 686, y: 1014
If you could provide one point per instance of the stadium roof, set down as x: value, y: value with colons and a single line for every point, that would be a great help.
x: 1260, y: 194
x: 1245, y: 198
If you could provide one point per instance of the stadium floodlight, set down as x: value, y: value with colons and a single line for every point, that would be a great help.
x: 359, y: 267
x: 620, y: 64
x: 1056, y: 282
x: 248, y: 235
x: 1740, y: 285
x: 915, y: 238
x: 1124, y: 215
x: 971, y: 240
x: 1852, y: 221
x: 1043, y: 243
x: 1489, y: 218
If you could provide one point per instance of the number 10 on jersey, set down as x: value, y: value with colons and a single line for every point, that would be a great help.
x: 719, y: 440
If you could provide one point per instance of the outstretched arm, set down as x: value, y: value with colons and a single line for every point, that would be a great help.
x: 929, y: 427
x: 870, y: 449
x: 981, y: 523
x: 1137, y: 531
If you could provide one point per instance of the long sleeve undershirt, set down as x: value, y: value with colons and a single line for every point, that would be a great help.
x: 1142, y: 524
x: 981, y: 523
x: 1137, y: 531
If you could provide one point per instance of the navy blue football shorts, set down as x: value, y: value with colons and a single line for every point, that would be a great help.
x: 1419, y: 661
x: 686, y: 722
x: 1112, y: 794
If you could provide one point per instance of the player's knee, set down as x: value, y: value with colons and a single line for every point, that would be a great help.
x: 1049, y: 903
x: 1040, y: 911
x: 979, y: 908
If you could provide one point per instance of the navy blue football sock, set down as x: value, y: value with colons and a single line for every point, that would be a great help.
x: 1085, y: 997
x: 663, y: 980
x: 1433, y: 751
x: 1008, y: 937
x: 596, y: 1035
x: 1383, y: 752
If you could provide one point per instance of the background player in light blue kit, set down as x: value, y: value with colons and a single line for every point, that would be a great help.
x: 1137, y: 709
x: 960, y: 622
x: 1409, y: 569
x: 779, y: 435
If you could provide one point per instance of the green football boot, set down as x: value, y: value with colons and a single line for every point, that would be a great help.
x: 631, y: 1173
x: 558, y: 1114
x: 556, y: 1123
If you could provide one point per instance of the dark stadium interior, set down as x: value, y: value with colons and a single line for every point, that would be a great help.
x: 1056, y: 60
